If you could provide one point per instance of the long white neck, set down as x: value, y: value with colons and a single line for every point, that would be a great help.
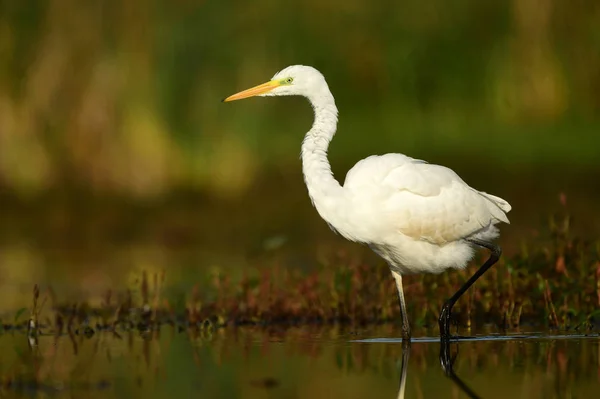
x: 323, y: 189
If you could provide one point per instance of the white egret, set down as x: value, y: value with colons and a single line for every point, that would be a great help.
x: 419, y: 217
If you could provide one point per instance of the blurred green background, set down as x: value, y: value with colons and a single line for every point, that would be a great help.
x: 112, y: 132
x: 124, y: 97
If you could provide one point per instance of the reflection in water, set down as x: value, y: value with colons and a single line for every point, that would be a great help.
x: 447, y: 363
x: 404, y: 370
x: 299, y: 362
x: 518, y: 365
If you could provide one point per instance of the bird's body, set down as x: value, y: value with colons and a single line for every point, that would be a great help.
x: 419, y: 217
x: 423, y: 214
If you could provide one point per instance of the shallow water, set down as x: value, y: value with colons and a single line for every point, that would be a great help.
x: 299, y: 362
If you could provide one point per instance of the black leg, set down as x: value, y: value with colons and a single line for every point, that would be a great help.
x: 447, y: 308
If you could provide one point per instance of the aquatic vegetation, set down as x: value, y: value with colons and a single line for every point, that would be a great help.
x: 551, y: 283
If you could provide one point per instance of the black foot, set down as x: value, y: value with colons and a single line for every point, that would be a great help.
x: 444, y: 321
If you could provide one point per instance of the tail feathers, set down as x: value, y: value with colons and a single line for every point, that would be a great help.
x: 502, y: 204
x: 501, y: 207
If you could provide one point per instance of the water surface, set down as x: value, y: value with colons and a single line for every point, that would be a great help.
x: 298, y: 362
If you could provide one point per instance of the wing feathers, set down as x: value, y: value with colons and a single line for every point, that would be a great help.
x: 434, y: 204
x: 424, y: 201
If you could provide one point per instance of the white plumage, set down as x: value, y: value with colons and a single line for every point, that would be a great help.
x: 419, y: 217
x: 424, y: 212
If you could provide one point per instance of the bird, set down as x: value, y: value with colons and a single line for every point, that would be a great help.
x: 419, y: 217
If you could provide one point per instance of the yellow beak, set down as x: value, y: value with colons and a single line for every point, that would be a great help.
x: 254, y: 91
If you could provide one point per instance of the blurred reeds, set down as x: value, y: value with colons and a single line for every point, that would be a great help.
x: 123, y: 98
x: 551, y: 283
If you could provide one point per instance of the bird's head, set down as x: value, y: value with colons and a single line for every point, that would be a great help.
x: 295, y: 80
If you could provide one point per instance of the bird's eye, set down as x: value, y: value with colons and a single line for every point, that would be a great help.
x: 289, y: 80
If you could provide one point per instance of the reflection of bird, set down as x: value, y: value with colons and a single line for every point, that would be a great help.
x: 419, y: 217
x: 447, y: 363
